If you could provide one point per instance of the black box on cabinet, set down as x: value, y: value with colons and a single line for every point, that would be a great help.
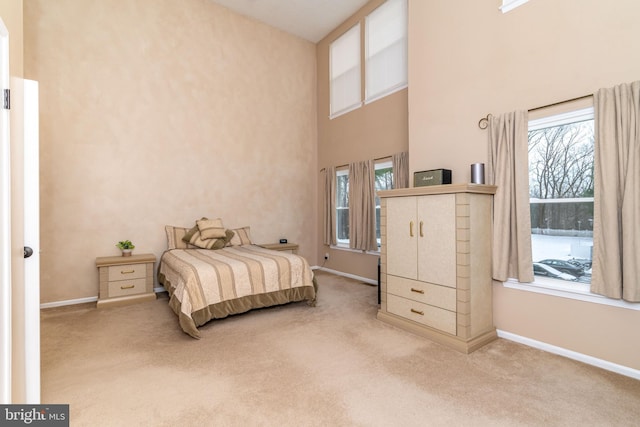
x: 432, y: 177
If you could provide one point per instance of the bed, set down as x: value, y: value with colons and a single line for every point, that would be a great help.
x: 232, y: 277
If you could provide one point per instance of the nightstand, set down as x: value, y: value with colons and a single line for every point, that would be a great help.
x: 289, y: 247
x: 125, y: 279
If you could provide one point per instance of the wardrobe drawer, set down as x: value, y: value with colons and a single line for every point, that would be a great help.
x: 425, y: 314
x: 127, y: 272
x: 423, y: 292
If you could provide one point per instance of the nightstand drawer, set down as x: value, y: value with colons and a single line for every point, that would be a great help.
x: 425, y: 314
x: 127, y: 272
x: 126, y: 287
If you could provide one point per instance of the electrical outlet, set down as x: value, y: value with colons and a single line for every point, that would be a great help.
x: 326, y: 256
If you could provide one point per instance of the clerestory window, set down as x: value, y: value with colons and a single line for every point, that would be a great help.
x: 385, y: 59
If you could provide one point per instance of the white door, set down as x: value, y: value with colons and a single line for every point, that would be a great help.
x: 19, y: 220
x: 5, y: 228
x: 31, y: 249
x: 25, y: 263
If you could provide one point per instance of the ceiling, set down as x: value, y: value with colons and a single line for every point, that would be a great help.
x: 310, y: 19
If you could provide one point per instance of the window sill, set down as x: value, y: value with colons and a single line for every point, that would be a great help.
x: 508, y: 5
x: 388, y: 92
x: 345, y: 111
x: 570, y: 290
x: 344, y: 247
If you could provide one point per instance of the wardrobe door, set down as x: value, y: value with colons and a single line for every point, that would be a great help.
x: 402, y: 235
x: 437, y: 239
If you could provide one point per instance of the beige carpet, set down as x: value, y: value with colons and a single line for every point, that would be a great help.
x: 294, y: 365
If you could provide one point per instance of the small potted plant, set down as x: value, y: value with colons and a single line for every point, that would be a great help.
x: 126, y: 247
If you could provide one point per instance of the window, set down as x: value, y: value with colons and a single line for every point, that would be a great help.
x: 383, y: 181
x: 561, y: 195
x: 342, y: 207
x: 386, y: 49
x: 344, y: 72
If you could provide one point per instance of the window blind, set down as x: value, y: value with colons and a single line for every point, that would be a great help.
x: 345, y: 72
x: 386, y: 49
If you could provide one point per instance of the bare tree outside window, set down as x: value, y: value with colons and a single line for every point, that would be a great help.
x: 561, y: 161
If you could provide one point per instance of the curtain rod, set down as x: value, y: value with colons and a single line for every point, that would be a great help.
x: 561, y: 102
x: 376, y: 159
x: 483, y: 123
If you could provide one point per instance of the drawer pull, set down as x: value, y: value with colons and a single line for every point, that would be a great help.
x: 417, y: 291
x: 127, y: 287
x: 421, y: 233
x: 127, y: 271
x: 411, y: 229
x: 421, y: 313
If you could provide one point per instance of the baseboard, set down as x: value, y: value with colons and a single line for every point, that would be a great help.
x: 68, y: 302
x: 84, y: 300
x: 350, y: 276
x: 589, y: 360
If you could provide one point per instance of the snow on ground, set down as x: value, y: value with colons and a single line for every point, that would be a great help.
x: 560, y: 247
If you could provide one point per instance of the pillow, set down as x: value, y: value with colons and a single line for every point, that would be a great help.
x: 211, y: 228
x: 175, y: 237
x: 201, y: 243
x: 228, y: 235
x: 242, y: 236
x: 194, y: 238
x: 188, y: 236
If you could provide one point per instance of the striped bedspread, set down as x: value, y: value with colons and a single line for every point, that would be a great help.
x: 208, y: 284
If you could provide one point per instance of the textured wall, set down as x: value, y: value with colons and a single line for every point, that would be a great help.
x: 159, y: 112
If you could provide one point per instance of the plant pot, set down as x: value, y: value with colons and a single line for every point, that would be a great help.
x: 126, y: 252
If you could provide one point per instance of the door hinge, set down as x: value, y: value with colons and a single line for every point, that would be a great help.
x: 7, y: 99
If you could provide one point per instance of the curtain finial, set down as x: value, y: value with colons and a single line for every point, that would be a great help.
x: 484, y: 122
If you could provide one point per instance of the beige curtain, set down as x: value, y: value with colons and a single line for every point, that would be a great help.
x: 616, y: 219
x: 508, y: 169
x: 362, y: 209
x: 329, y: 211
x: 400, y: 163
